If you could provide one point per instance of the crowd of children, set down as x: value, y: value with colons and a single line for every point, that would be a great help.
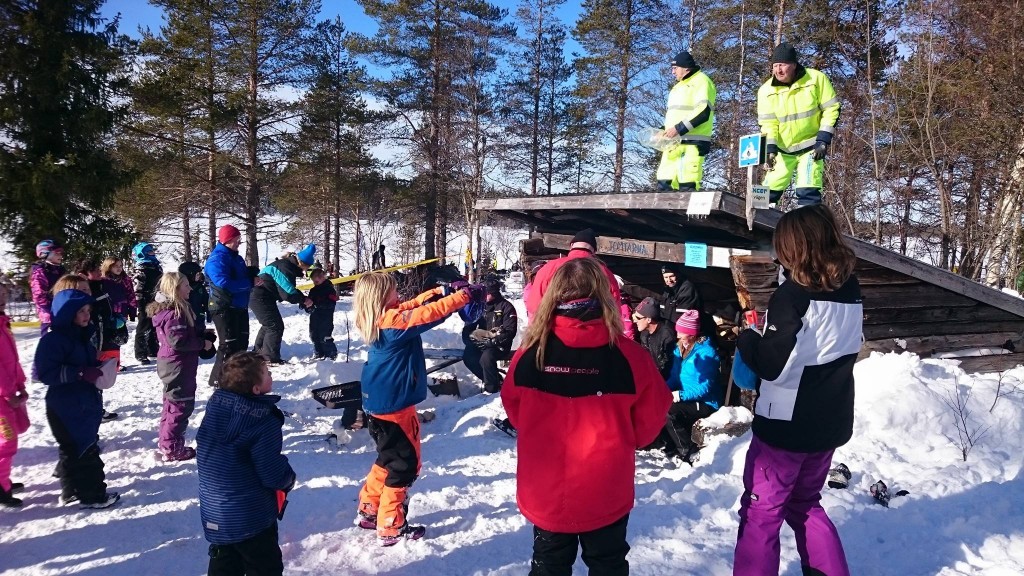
x: 576, y: 360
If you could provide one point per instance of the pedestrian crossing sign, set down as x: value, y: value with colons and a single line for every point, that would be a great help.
x: 751, y: 150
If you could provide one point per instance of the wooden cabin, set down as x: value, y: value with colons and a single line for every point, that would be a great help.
x: 724, y: 248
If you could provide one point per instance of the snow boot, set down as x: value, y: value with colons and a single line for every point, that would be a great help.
x: 366, y: 521
x: 880, y: 492
x: 67, y: 499
x: 505, y: 426
x: 109, y: 499
x: 186, y: 453
x: 108, y: 416
x: 7, y: 499
x: 839, y: 476
x: 407, y: 532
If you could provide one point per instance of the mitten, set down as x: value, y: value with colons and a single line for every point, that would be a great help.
x: 477, y: 292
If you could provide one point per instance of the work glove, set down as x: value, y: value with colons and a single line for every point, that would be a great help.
x: 477, y: 292
x: 91, y: 374
x: 769, y: 161
x: 131, y: 313
x: 481, y: 338
x: 820, y: 150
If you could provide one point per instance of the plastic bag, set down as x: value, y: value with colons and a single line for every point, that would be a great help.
x: 655, y: 139
x: 742, y: 375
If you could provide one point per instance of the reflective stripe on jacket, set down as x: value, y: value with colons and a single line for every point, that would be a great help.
x: 692, y: 104
x: 793, y: 117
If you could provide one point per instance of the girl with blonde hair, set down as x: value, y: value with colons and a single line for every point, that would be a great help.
x: 181, y: 340
x: 583, y: 395
x: 394, y: 380
x: 120, y: 288
x: 804, y: 409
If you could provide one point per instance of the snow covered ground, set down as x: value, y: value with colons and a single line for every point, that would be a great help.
x: 960, y: 517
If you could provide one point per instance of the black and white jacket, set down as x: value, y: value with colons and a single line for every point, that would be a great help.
x: 805, y: 361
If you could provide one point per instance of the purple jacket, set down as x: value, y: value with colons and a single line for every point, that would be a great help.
x: 178, y: 357
x: 44, y: 276
x: 122, y: 293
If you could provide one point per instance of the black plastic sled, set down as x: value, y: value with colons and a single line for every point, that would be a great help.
x: 344, y: 395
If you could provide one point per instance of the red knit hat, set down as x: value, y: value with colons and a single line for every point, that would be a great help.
x: 226, y: 233
x: 688, y: 323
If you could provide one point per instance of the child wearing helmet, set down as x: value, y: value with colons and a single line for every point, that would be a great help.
x: 147, y: 274
x: 45, y: 272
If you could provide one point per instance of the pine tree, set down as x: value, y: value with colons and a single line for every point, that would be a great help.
x: 418, y: 41
x: 535, y: 96
x: 264, y: 41
x: 624, y: 43
x: 330, y: 147
x: 62, y: 72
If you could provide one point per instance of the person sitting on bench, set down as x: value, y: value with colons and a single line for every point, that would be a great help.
x: 694, y: 383
x: 489, y: 339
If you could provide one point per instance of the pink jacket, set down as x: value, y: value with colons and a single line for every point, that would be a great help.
x: 12, y: 378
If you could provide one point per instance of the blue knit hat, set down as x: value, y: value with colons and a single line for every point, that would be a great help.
x: 307, y: 255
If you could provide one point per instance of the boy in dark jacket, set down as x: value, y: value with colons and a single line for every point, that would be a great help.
x: 489, y: 339
x: 67, y: 363
x: 199, y: 297
x: 243, y: 477
x: 277, y: 284
x: 321, y: 315
x: 147, y: 274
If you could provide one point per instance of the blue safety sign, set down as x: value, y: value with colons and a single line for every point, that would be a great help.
x: 751, y: 150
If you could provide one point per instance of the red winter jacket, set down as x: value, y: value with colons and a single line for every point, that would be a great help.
x: 543, y: 279
x: 579, y: 422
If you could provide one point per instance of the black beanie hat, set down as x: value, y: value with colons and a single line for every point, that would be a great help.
x: 785, y: 53
x: 684, y: 60
x: 585, y: 236
x: 493, y: 287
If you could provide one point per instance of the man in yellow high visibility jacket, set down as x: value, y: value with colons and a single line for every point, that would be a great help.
x: 797, y: 110
x: 691, y: 115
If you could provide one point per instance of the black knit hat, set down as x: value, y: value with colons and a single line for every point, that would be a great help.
x: 648, y: 308
x: 684, y: 60
x: 493, y: 287
x: 785, y: 53
x: 586, y: 236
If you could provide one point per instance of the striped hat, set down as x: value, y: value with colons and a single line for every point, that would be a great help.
x: 688, y: 323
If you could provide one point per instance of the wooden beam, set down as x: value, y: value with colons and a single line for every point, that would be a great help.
x: 645, y: 201
x: 938, y: 277
x: 631, y: 248
x: 903, y: 315
x: 993, y: 363
x: 879, y: 331
x: 928, y: 345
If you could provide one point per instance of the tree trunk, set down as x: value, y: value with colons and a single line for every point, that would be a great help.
x: 186, y: 232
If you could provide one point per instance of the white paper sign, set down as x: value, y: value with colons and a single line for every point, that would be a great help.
x: 700, y: 203
x: 760, y: 197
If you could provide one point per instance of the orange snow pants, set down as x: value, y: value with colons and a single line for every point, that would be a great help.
x: 384, y: 493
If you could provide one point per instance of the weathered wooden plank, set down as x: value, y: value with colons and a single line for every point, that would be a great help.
x: 879, y: 331
x: 993, y: 363
x: 646, y: 200
x: 912, y: 296
x: 877, y: 275
x: 631, y: 248
x: 937, y: 276
x: 928, y: 345
x: 899, y: 315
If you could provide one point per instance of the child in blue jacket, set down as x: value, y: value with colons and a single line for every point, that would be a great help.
x: 67, y: 363
x: 694, y: 382
x: 242, y: 474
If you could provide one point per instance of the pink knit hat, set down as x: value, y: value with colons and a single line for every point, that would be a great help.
x: 688, y: 323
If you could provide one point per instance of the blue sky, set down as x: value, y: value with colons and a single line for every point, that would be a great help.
x: 136, y: 13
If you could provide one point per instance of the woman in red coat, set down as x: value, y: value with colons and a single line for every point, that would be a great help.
x: 583, y: 398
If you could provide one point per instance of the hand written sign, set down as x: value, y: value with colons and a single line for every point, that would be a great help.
x: 625, y: 247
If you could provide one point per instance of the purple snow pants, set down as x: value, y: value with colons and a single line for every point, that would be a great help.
x: 780, y: 485
x: 173, y: 423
